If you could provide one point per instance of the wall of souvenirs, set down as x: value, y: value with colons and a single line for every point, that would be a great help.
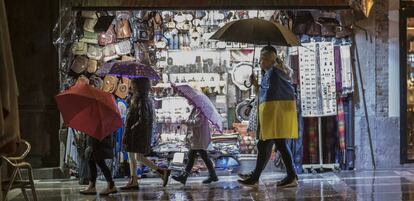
x: 176, y: 44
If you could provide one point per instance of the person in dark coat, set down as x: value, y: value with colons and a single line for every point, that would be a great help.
x: 138, y: 132
x: 96, y: 152
x: 277, y: 118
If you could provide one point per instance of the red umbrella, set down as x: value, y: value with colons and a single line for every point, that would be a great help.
x: 89, y: 110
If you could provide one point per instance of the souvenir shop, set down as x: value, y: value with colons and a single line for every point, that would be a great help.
x: 177, y: 44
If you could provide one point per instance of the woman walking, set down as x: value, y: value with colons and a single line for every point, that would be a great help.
x: 138, y: 132
x: 96, y: 153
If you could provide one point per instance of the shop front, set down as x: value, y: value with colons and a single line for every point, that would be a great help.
x: 174, y: 38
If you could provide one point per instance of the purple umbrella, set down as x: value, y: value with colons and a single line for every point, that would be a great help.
x: 202, y: 103
x: 102, y: 71
x: 132, y: 69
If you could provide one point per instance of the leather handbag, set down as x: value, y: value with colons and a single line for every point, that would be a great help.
x: 328, y: 26
x: 79, y: 65
x: 343, y: 32
x: 313, y: 29
x: 90, y: 37
x: 141, y: 31
x: 142, y: 53
x: 94, y: 52
x: 123, y: 47
x: 83, y: 79
x: 123, y: 29
x: 89, y: 24
x: 110, y: 83
x: 89, y: 14
x: 109, y: 53
x: 79, y: 48
x: 96, y: 81
x: 123, y: 87
x: 107, y: 37
x: 300, y: 22
x: 103, y: 23
x: 92, y: 66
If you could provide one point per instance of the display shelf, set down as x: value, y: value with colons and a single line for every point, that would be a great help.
x: 209, y: 49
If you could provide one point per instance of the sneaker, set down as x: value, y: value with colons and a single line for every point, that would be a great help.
x: 287, y: 183
x: 108, y: 191
x: 182, y: 178
x: 245, y: 176
x: 210, y: 179
x: 248, y: 182
x: 88, y: 191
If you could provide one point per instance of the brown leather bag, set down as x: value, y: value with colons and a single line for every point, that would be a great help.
x: 328, y: 26
x: 313, y: 29
x: 92, y: 66
x: 110, y: 83
x: 343, y: 32
x: 79, y: 65
x: 300, y: 22
x: 123, y: 87
x: 107, y: 37
x: 123, y: 30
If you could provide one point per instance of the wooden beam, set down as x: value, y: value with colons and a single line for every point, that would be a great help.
x: 211, y: 4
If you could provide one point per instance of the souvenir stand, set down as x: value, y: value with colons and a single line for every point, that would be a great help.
x: 176, y: 44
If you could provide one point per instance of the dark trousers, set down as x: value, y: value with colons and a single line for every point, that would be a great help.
x: 94, y: 172
x: 192, y: 155
x: 264, y: 149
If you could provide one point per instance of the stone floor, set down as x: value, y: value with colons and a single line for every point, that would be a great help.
x: 387, y: 185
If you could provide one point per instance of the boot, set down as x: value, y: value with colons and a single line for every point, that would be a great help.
x: 288, y: 182
x: 110, y: 189
x: 165, y: 174
x: 90, y: 190
x: 245, y: 176
x: 210, y: 179
x: 248, y: 182
x: 132, y: 184
x: 182, y: 178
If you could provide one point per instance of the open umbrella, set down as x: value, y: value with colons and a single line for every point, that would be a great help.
x: 202, y: 103
x: 89, y: 110
x: 104, y: 69
x: 132, y: 69
x: 256, y: 31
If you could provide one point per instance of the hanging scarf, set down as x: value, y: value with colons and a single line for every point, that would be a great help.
x: 340, y: 117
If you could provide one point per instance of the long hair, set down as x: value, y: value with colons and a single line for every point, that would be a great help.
x: 141, y: 88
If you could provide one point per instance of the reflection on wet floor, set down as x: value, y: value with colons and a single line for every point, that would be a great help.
x: 387, y: 185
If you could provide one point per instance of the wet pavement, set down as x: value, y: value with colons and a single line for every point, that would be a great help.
x: 387, y: 185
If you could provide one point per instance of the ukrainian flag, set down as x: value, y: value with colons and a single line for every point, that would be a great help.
x: 277, y: 107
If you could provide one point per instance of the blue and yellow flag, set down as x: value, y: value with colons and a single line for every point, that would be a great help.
x: 277, y: 106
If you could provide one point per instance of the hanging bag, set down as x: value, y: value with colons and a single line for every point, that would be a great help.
x: 103, y: 22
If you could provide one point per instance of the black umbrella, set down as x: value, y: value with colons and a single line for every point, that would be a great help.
x: 256, y: 31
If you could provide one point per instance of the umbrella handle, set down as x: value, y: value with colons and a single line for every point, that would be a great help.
x: 247, y: 85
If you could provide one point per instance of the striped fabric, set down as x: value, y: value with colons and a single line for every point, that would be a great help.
x: 277, y: 106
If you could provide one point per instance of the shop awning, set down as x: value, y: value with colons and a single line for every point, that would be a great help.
x: 212, y: 4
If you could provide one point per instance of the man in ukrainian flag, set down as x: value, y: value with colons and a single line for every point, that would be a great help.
x: 277, y: 118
